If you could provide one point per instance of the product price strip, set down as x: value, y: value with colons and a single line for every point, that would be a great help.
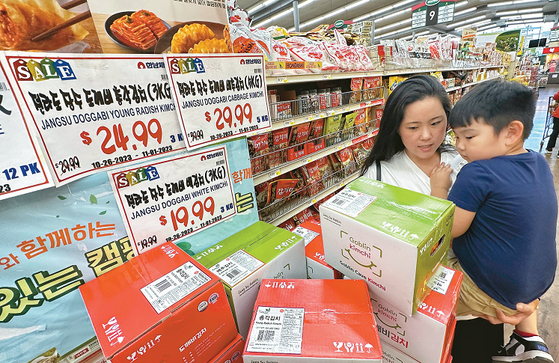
x: 22, y: 169
x: 218, y: 97
x: 93, y: 112
x: 175, y: 197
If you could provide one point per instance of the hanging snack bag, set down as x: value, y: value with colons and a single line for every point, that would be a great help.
x: 281, y: 189
x: 348, y: 130
x: 280, y: 140
x: 345, y: 156
x: 258, y: 148
x: 372, y: 88
x: 360, y: 123
x: 356, y: 86
x: 316, y: 142
x: 299, y: 134
x: 262, y: 194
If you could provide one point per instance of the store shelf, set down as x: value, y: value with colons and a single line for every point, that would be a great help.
x: 470, y: 84
x: 316, y: 77
x: 310, y: 201
x: 279, y: 124
x: 284, y: 168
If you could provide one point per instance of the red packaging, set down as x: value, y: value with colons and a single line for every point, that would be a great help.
x: 289, y: 224
x: 232, y: 353
x: 160, y: 306
x: 280, y: 140
x: 258, y: 148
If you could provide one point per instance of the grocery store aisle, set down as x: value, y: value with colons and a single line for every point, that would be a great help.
x: 548, y: 313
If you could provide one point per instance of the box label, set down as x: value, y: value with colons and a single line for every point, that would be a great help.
x: 172, y: 287
x: 307, y: 234
x: 440, y: 281
x: 236, y: 267
x: 350, y: 202
x: 277, y: 330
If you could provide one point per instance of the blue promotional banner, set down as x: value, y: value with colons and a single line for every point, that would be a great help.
x: 53, y: 241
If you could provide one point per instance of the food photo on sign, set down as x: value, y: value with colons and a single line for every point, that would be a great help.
x: 147, y: 26
x: 48, y: 25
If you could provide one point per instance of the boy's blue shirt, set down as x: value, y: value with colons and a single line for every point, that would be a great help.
x: 509, y: 250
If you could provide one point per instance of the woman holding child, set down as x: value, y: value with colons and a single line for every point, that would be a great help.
x: 410, y: 149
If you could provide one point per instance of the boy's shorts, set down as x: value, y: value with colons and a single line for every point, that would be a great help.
x: 472, y: 300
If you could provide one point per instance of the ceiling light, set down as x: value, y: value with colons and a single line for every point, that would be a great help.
x: 260, y: 6
x: 460, y: 4
x: 385, y: 9
x: 395, y: 32
x: 467, y: 21
x: 474, y: 24
x: 524, y: 1
x: 392, y: 25
x: 523, y: 21
x: 392, y: 15
x: 500, y: 4
x: 523, y: 11
x: 465, y: 11
x: 356, y: 4
x: 523, y: 16
x: 305, y: 3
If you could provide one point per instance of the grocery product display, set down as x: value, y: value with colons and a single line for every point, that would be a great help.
x: 191, y: 192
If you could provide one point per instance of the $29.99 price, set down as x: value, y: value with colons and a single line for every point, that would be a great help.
x: 182, y: 216
x: 224, y: 116
x: 117, y: 138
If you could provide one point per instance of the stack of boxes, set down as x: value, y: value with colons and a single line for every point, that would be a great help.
x: 396, y: 240
x: 165, y: 305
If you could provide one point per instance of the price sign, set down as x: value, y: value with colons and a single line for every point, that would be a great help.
x: 22, y: 169
x: 175, y: 197
x: 432, y: 12
x: 93, y: 112
x: 218, y: 96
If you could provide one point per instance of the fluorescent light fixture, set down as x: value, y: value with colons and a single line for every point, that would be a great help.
x: 395, y: 32
x: 275, y: 17
x: 460, y: 4
x: 356, y: 4
x: 523, y: 11
x: 499, y: 4
x: 385, y: 9
x: 380, y: 30
x: 465, y: 11
x: 467, y: 21
x: 305, y: 3
x: 392, y: 15
x: 483, y: 22
x: 524, y: 21
x: 523, y: 16
x: 524, y: 1
x: 260, y: 6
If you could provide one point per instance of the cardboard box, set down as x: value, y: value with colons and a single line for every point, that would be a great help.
x: 160, y: 306
x: 232, y: 353
x: 427, y: 335
x: 391, y: 237
x: 314, y: 252
x: 393, y: 355
x: 313, y: 321
x: 244, y: 259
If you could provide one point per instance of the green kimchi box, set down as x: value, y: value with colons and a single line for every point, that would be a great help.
x: 391, y: 237
x: 242, y: 260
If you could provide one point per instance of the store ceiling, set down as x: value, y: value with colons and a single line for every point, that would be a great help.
x: 393, y: 18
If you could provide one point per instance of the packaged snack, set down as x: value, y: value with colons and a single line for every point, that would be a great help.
x: 345, y: 156
x: 331, y: 128
x: 289, y: 224
x: 312, y: 175
x: 281, y: 189
x: 303, y: 216
x: 356, y: 86
x: 298, y: 135
x: 316, y: 128
x: 258, y: 148
x: 393, y: 82
x: 280, y: 140
x: 372, y: 88
x: 360, y: 123
x: 262, y: 194
x: 348, y: 131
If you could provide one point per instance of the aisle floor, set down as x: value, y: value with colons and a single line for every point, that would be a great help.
x: 548, y: 314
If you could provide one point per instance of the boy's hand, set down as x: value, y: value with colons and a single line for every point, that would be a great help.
x: 440, y: 180
x: 524, y: 311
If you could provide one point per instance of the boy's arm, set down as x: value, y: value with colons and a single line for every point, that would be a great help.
x: 462, y: 221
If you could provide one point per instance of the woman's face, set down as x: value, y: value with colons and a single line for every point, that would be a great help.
x: 423, y: 128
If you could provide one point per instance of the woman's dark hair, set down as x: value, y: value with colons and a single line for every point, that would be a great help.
x: 416, y: 88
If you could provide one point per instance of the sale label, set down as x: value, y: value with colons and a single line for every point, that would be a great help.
x: 175, y: 197
x: 93, y: 112
x: 22, y: 169
x: 218, y: 96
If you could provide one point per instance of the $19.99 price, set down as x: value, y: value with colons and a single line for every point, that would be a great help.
x: 182, y: 215
x: 117, y: 138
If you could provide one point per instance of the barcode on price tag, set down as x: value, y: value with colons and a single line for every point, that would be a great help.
x: 349, y: 202
x: 236, y: 267
x: 277, y: 330
x: 440, y: 281
x: 170, y: 288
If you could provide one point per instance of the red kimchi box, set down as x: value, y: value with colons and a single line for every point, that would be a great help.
x: 427, y: 335
x: 232, y: 353
x: 317, y: 268
x: 161, y: 306
x: 313, y: 321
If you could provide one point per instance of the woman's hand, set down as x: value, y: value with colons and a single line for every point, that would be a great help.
x: 524, y: 311
x: 440, y: 180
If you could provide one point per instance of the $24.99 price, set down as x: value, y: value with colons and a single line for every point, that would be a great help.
x: 182, y: 216
x: 118, y: 139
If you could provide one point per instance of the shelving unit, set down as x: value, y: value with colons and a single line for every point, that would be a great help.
x: 290, y: 208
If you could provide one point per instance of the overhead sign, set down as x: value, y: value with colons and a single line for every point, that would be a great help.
x: 432, y: 12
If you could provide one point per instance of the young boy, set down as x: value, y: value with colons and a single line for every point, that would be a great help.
x: 506, y: 212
